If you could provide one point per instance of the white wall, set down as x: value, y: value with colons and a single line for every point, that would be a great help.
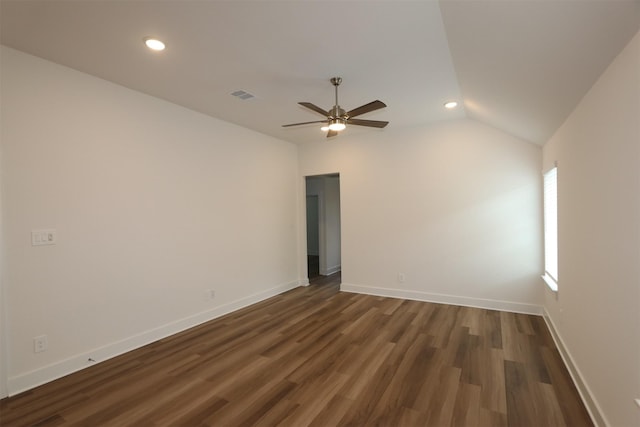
x: 314, y: 186
x: 455, y: 207
x: 597, y: 310
x: 153, y: 204
x: 332, y: 224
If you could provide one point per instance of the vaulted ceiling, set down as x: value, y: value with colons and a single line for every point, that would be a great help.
x: 518, y: 65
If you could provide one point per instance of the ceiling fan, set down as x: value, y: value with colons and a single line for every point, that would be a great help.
x: 337, y: 119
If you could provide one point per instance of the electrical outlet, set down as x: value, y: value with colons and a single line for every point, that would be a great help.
x: 209, y: 294
x: 40, y: 344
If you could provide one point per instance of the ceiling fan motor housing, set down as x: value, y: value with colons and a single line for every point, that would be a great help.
x: 337, y: 112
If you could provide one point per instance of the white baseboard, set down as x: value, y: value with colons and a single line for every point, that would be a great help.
x: 331, y: 270
x: 597, y: 416
x: 514, y: 307
x: 78, y: 362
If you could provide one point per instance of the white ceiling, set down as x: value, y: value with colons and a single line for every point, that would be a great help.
x: 518, y: 65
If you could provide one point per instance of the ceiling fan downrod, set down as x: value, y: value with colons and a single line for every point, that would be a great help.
x: 336, y: 111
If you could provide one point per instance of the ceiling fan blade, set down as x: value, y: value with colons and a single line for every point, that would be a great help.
x: 370, y: 123
x: 314, y: 108
x: 372, y: 106
x: 331, y: 133
x: 304, y: 123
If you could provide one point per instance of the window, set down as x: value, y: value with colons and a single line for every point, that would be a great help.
x: 551, y: 228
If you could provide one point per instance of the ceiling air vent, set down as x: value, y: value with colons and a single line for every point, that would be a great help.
x: 243, y: 95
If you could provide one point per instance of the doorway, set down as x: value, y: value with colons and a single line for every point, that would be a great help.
x: 313, y: 236
x: 323, y: 225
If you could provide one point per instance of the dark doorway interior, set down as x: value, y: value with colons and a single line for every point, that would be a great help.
x: 313, y: 266
x: 313, y: 238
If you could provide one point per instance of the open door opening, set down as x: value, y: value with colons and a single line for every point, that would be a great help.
x: 313, y: 237
x: 323, y: 225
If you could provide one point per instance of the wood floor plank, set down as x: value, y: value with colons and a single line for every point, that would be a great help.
x: 535, y: 361
x: 573, y: 410
x: 490, y: 418
x: 466, y: 411
x: 514, y: 343
x: 313, y: 402
x: 469, y: 358
x: 519, y: 405
x: 441, y: 404
x: 493, y: 328
x: 547, y: 405
x: 523, y: 324
x: 198, y: 415
x: 362, y: 412
x: 392, y: 305
x: 494, y: 396
x: 469, y: 318
x: 360, y: 378
x: 140, y: 409
x: 182, y: 406
x: 317, y: 356
x: 406, y: 382
x: 442, y: 325
x: 333, y: 412
x: 278, y: 414
x: 257, y: 401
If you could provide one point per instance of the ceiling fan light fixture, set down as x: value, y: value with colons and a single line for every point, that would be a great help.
x: 337, y: 125
x: 325, y: 128
x: 154, y: 44
x: 450, y: 105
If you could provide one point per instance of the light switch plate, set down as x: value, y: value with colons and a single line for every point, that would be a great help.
x: 43, y: 237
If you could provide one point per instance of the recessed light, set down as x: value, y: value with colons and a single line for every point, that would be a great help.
x: 153, y: 44
x: 451, y: 105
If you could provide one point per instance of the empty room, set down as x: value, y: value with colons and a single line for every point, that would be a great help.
x: 322, y: 213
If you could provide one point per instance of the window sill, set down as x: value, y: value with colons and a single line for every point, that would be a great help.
x: 550, y: 282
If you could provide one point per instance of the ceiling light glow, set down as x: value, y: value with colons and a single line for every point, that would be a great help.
x: 337, y: 125
x: 451, y: 105
x: 154, y: 44
x: 324, y: 128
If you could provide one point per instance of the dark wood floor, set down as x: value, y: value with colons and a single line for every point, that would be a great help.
x: 316, y: 356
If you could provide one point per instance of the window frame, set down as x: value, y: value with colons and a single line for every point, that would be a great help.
x: 550, y: 222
